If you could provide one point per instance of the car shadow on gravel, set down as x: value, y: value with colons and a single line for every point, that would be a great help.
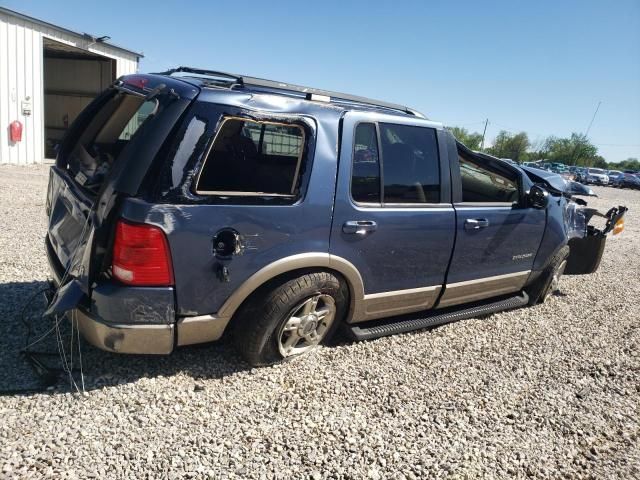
x: 22, y: 305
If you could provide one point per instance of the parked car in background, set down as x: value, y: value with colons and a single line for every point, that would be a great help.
x: 277, y: 213
x: 614, y: 177
x: 581, y: 173
x: 629, y: 179
x: 596, y: 176
x: 559, y: 168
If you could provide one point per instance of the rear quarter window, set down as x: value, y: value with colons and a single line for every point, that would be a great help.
x: 251, y: 158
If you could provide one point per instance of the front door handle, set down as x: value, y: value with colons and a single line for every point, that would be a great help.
x: 475, y: 223
x: 359, y: 227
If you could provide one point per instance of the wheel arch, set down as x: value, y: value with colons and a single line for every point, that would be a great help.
x: 290, y: 265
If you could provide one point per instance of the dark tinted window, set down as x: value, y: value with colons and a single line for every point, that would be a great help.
x: 410, y: 164
x: 253, y: 158
x: 484, y: 183
x: 365, y: 177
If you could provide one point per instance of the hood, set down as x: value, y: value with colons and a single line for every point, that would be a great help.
x: 557, y: 183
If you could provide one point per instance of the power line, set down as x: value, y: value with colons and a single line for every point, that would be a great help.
x: 483, y: 134
x: 618, y: 144
x: 592, y: 119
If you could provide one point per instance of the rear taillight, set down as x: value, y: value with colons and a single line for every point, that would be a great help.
x: 141, y: 255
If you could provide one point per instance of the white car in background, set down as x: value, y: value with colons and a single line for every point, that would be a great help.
x: 597, y: 176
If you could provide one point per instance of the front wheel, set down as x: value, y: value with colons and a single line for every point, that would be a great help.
x: 290, y: 318
x: 549, y: 279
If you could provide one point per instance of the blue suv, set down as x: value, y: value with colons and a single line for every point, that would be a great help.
x: 191, y: 203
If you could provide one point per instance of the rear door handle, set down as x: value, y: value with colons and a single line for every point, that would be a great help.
x: 475, y: 223
x: 359, y: 227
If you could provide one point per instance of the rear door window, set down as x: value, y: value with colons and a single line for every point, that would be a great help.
x: 365, y: 176
x: 249, y: 158
x: 411, y: 170
x: 403, y: 168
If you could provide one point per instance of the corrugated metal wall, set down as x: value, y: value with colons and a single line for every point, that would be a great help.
x: 21, y: 76
x: 69, y: 86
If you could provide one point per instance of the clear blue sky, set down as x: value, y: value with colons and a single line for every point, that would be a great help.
x: 536, y: 66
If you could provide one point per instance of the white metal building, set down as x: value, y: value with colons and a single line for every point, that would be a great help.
x: 48, y: 74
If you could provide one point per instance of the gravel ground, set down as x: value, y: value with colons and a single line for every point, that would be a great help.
x: 549, y: 391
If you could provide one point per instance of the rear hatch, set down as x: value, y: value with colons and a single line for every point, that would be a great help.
x: 106, y: 155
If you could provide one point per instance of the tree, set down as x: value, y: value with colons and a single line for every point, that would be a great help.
x: 628, y: 164
x: 599, y: 162
x: 508, y: 145
x: 471, y: 140
x: 575, y: 150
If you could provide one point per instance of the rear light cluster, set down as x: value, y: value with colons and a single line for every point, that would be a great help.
x: 141, y: 256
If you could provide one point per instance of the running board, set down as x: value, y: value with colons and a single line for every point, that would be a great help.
x: 406, y: 323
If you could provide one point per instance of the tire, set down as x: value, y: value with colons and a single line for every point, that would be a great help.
x: 547, y: 282
x: 267, y: 325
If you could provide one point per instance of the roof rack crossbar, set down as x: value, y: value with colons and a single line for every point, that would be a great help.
x: 308, y: 92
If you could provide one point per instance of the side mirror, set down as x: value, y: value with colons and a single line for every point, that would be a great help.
x: 538, y: 197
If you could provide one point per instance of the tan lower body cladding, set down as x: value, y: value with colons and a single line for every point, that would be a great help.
x: 481, y: 288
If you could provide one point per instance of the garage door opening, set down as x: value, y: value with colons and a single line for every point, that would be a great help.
x: 72, y: 78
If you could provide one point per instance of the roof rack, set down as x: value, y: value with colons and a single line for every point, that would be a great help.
x: 231, y: 80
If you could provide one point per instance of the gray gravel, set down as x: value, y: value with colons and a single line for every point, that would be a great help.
x: 549, y: 391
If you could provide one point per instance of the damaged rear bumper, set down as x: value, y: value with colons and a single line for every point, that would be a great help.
x: 125, y: 338
x: 129, y: 319
x: 117, y: 318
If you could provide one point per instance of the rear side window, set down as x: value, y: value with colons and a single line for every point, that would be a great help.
x: 408, y: 158
x: 253, y: 158
x: 483, y: 183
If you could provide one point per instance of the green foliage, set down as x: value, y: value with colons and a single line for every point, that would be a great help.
x: 508, y: 145
x: 471, y: 140
x: 628, y: 164
x: 575, y: 150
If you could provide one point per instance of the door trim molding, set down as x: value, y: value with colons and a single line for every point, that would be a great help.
x: 481, y: 288
x: 397, y: 302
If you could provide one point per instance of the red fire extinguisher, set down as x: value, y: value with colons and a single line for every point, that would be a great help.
x: 15, y: 131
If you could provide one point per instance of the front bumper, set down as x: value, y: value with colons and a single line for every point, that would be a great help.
x: 597, y: 181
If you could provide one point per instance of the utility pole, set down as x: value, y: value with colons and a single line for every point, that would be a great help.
x: 486, y: 122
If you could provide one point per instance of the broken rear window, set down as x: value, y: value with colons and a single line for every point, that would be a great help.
x: 106, y: 135
x: 253, y: 158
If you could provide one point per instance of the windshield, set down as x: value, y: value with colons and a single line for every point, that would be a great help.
x: 596, y: 170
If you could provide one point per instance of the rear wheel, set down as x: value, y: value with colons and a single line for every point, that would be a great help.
x: 549, y: 279
x: 290, y: 318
